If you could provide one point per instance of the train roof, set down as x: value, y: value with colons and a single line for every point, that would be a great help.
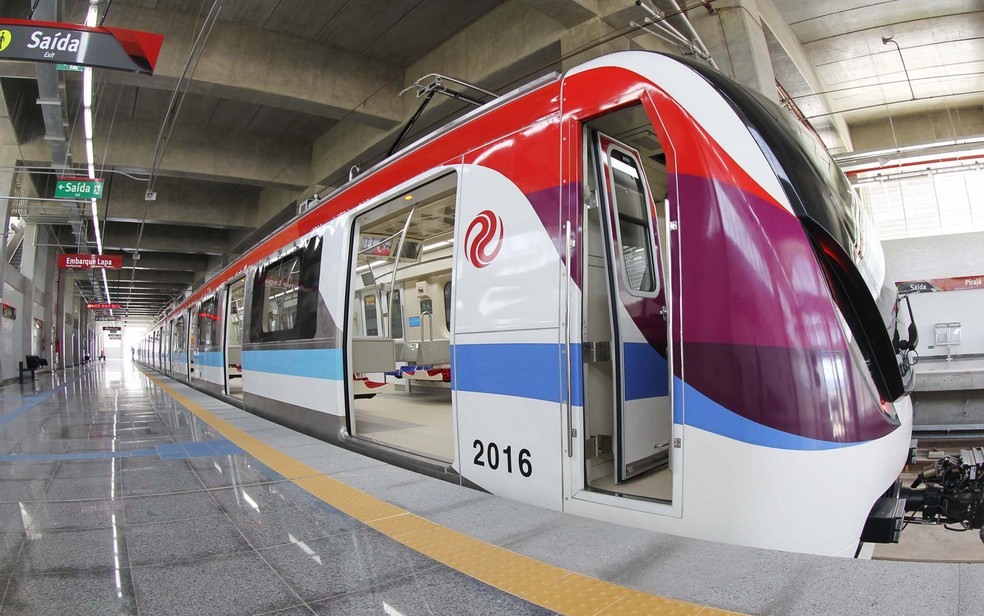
x: 269, y: 245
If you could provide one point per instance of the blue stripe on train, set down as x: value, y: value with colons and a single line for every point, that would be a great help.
x: 515, y: 369
x: 646, y: 372
x: 534, y: 371
x: 210, y: 358
x: 312, y: 363
x: 706, y: 414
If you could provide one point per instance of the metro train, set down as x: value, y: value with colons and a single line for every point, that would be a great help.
x: 636, y: 291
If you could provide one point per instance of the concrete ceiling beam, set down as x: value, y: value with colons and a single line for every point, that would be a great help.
x: 508, y: 41
x: 123, y: 237
x: 160, y: 260
x: 244, y: 63
x: 201, y: 153
x: 180, y: 202
x: 161, y: 277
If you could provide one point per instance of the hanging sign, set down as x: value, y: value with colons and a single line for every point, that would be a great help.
x: 929, y: 285
x: 78, y: 188
x: 62, y: 43
x: 67, y: 261
x: 103, y: 306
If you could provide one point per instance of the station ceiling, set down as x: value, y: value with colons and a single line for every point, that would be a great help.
x: 288, y: 95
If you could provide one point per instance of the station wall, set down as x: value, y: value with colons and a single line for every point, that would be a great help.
x: 942, y: 256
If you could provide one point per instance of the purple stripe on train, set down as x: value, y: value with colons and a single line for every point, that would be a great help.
x: 760, y: 333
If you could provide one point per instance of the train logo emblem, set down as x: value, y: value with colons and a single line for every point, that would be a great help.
x: 481, y: 243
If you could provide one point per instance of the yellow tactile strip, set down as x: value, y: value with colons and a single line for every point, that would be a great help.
x: 553, y: 588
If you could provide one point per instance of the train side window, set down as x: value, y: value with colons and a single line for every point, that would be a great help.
x: 281, y: 289
x: 178, y: 336
x: 285, y: 296
x: 369, y: 309
x: 447, y: 305
x: 633, y: 222
x: 396, y: 314
x: 207, y: 320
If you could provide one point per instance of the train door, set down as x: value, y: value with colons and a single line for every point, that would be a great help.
x: 233, y: 338
x: 399, y: 353
x: 166, y: 334
x: 628, y: 407
x: 191, y: 350
x: 179, y: 348
x: 194, y: 353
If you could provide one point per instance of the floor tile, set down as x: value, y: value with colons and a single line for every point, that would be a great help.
x: 10, y: 546
x: 69, y: 515
x: 161, y: 482
x: 27, y: 470
x: 297, y: 610
x: 438, y: 591
x: 18, y: 490
x: 72, y: 551
x: 87, y: 468
x: 103, y: 593
x: 150, y: 464
x: 273, y: 514
x: 184, y: 506
x: 228, y: 585
x: 33, y: 446
x: 10, y: 517
x: 230, y: 470
x: 344, y: 562
x: 82, y: 488
x: 183, y: 540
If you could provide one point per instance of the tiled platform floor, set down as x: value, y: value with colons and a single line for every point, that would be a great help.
x: 116, y: 500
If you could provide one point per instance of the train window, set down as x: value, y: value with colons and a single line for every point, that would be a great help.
x: 447, y: 305
x: 178, y: 336
x: 281, y: 289
x: 396, y: 315
x: 372, y: 325
x: 207, y: 320
x: 285, y: 296
x: 633, y: 222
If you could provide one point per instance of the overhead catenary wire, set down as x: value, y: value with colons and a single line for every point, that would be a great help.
x: 181, y: 89
x: 171, y: 116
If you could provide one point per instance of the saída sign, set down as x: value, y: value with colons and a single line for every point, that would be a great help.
x: 60, y: 43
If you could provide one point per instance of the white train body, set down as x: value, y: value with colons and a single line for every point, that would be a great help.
x: 613, y: 293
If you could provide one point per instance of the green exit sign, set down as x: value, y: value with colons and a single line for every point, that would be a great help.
x: 78, y: 188
x: 69, y: 67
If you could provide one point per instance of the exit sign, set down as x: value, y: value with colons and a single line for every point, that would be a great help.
x: 78, y: 188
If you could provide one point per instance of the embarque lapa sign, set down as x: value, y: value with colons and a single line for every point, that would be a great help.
x: 112, y: 48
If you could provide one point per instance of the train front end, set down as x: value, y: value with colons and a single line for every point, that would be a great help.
x: 817, y: 380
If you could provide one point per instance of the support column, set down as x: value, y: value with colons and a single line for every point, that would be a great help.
x: 735, y: 38
x: 28, y: 254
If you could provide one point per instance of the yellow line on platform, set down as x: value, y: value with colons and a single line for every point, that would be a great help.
x: 551, y: 587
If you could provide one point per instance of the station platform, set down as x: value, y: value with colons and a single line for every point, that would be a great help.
x: 124, y: 492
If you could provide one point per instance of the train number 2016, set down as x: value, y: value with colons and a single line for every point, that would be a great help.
x: 489, y: 456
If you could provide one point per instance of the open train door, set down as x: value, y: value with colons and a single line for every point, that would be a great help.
x: 638, y: 308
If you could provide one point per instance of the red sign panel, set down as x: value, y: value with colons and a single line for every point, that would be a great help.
x: 67, y: 261
x: 103, y: 306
